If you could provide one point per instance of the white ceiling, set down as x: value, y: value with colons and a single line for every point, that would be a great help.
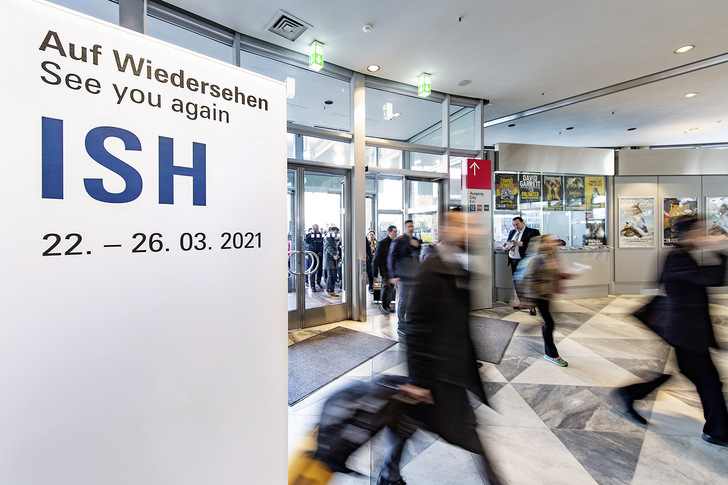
x: 524, y: 54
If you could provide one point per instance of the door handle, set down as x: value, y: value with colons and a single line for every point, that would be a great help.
x: 311, y: 270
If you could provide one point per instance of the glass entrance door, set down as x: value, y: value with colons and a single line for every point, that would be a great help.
x: 318, y: 231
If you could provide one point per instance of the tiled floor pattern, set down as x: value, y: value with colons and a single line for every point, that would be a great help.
x: 551, y: 425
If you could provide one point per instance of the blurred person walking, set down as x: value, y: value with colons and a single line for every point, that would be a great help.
x: 687, y: 326
x: 380, y: 267
x: 403, y: 261
x: 539, y: 281
x: 440, y: 353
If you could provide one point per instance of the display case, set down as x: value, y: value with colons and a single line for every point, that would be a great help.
x: 572, y: 207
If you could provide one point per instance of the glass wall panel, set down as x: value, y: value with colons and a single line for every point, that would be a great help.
x: 462, y: 128
x: 163, y: 30
x: 327, y: 151
x: 456, y: 183
x: 427, y: 162
x: 104, y: 10
x: 390, y: 193
x: 422, y: 208
x: 415, y: 117
x: 314, y: 99
x: 290, y: 145
x: 389, y: 158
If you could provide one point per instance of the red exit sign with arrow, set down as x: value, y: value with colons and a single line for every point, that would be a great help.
x: 478, y: 174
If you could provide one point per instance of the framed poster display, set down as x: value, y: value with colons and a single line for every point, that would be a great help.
x: 595, y: 231
x: 574, y: 194
x: 595, y: 194
x: 716, y: 215
x: 553, y: 192
x: 636, y: 223
x: 529, y: 188
x: 673, y: 209
x: 506, y: 192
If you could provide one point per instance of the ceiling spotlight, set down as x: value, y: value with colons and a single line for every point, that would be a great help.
x: 328, y: 102
x: 684, y: 49
x: 367, y: 28
x: 631, y: 129
x: 464, y: 82
x: 690, y: 95
x: 569, y: 128
x: 511, y: 125
x: 372, y: 68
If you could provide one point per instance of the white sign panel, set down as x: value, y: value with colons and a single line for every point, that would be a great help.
x: 142, y: 291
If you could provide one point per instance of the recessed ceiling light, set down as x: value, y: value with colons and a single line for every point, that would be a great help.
x: 328, y: 101
x: 464, y: 82
x: 684, y: 49
x: 631, y: 129
x: 570, y: 128
x: 372, y: 68
x: 690, y: 95
x: 511, y: 125
x: 693, y: 129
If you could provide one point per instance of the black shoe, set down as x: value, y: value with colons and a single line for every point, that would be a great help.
x: 384, y: 481
x: 532, y: 311
x: 712, y: 440
x: 383, y: 310
x: 627, y: 405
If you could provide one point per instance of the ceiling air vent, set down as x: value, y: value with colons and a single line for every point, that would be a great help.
x: 288, y: 26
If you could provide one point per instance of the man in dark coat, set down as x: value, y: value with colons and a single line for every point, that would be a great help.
x: 517, y: 244
x: 404, y: 259
x: 371, y: 246
x: 315, y: 243
x: 380, y: 267
x: 440, y: 353
x: 688, y: 327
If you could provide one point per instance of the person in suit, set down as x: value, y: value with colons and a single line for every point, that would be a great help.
x: 379, y: 265
x: 688, y: 327
x: 403, y: 261
x: 371, y: 246
x: 440, y: 354
x: 517, y: 245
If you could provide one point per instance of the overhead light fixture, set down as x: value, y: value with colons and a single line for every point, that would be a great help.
x: 684, y: 49
x: 424, y: 85
x: 631, y: 129
x: 690, y: 95
x: 372, y: 68
x: 316, y: 56
x: 290, y: 87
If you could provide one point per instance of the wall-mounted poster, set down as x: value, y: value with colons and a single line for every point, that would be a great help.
x: 673, y: 209
x: 596, y: 234
x: 529, y: 187
x: 506, y: 192
x: 574, y: 194
x: 636, y: 224
x: 716, y: 215
x: 553, y: 192
x: 595, y: 195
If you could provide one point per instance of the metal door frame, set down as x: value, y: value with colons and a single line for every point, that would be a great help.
x: 303, y: 317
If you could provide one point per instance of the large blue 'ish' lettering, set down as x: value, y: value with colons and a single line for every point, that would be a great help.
x: 167, y: 171
x: 96, y: 150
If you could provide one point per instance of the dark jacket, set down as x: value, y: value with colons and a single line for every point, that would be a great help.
x: 528, y: 233
x: 686, y: 283
x: 315, y: 242
x: 403, y: 259
x: 439, y: 346
x: 379, y: 263
x: 331, y: 248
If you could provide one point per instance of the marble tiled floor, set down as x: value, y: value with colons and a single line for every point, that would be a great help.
x: 551, y: 425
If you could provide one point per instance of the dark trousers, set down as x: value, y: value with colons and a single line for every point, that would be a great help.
x: 387, y: 290
x: 547, y: 329
x: 451, y: 417
x: 405, y: 288
x: 699, y: 368
x: 370, y: 274
x: 315, y: 277
x: 330, y: 280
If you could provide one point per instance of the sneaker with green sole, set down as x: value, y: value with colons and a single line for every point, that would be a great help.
x: 556, y: 360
